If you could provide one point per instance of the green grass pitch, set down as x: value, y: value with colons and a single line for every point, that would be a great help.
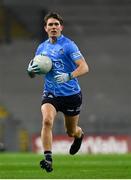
x: 26, y: 166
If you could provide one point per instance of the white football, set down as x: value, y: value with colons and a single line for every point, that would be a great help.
x: 43, y: 62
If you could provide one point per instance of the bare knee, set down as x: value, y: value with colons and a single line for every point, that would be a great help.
x: 47, y: 122
x: 48, y: 114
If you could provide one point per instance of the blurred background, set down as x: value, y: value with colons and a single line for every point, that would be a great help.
x: 102, y: 31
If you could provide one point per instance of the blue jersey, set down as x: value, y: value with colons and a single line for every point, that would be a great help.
x: 63, y: 54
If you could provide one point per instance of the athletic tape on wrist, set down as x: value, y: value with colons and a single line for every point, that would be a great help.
x: 70, y: 75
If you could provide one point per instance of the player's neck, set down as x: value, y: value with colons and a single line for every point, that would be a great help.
x: 53, y: 39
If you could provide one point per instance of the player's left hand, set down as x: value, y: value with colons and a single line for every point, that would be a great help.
x: 62, y: 77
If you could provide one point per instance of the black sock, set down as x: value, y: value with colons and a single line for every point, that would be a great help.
x: 48, y: 155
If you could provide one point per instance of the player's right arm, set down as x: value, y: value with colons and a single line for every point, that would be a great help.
x: 32, y: 69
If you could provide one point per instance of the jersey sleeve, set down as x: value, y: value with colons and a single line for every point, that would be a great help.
x: 74, y: 52
x: 38, y: 50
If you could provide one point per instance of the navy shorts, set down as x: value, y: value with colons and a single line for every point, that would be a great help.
x: 69, y: 105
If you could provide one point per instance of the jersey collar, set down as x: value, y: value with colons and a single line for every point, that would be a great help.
x: 58, y: 38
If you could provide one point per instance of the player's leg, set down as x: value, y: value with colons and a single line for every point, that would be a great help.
x: 48, y: 116
x: 73, y: 130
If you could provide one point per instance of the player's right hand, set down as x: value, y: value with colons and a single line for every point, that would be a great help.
x: 33, y: 69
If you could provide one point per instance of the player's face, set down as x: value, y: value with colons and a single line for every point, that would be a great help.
x: 53, y: 28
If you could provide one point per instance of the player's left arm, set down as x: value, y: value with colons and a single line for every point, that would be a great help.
x: 82, y: 68
x: 81, y: 65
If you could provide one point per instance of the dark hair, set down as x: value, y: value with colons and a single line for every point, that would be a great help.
x: 54, y: 15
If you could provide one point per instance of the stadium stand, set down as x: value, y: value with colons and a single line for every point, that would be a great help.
x: 102, y: 30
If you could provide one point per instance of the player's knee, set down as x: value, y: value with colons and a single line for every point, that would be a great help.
x: 47, y: 122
